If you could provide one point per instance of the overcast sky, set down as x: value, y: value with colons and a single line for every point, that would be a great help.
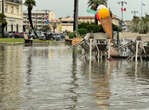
x: 64, y: 8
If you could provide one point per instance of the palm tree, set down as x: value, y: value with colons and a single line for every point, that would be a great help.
x: 30, y: 4
x: 75, y: 23
x: 93, y: 4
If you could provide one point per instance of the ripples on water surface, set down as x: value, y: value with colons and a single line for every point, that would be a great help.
x: 51, y: 78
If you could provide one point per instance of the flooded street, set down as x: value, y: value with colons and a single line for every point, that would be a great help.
x: 50, y: 77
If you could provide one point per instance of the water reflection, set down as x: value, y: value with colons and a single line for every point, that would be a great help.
x: 10, y: 77
x: 74, y: 84
x: 53, y: 78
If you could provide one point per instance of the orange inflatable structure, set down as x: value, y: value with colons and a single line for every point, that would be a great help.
x: 103, y: 15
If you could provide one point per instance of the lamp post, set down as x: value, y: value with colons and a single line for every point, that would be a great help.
x: 142, y: 4
x: 75, y: 24
x: 122, y: 3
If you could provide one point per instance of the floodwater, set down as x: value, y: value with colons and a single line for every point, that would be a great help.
x: 53, y: 77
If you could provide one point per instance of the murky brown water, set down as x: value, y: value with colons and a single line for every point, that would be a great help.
x: 51, y: 78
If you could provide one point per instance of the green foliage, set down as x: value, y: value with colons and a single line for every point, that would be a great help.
x: 32, y: 3
x: 2, y: 18
x: 90, y: 27
x: 83, y: 25
x: 140, y: 25
x: 71, y: 34
x: 82, y: 31
x: 45, y: 28
x: 93, y: 4
x: 54, y: 26
x: 93, y: 28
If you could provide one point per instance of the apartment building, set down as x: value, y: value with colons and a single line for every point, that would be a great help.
x: 14, y: 15
x: 39, y: 18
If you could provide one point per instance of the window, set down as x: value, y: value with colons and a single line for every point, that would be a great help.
x: 6, y: 8
x: 17, y: 28
x: 12, y: 9
x: 17, y: 10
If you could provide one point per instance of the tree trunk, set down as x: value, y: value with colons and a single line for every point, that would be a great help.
x: 96, y: 20
x: 30, y: 19
x: 75, y: 25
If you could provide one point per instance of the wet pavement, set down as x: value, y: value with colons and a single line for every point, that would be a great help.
x: 53, y: 77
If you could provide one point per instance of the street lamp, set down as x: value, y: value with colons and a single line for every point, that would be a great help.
x: 142, y: 4
x: 122, y: 3
x: 75, y: 24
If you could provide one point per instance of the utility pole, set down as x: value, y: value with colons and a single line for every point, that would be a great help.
x: 122, y: 3
x: 3, y: 14
x: 75, y: 24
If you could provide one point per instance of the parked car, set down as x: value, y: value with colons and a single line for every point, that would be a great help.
x: 16, y: 35
x: 50, y: 36
x: 62, y: 35
x: 6, y: 35
x: 41, y: 35
x: 57, y: 37
x: 11, y: 34
x: 32, y: 35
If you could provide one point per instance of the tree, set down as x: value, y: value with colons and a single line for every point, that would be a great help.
x: 75, y: 23
x: 30, y: 4
x: 54, y: 26
x: 140, y: 25
x: 2, y: 23
x: 135, y: 23
x: 93, y: 4
x: 45, y: 28
x: 2, y: 18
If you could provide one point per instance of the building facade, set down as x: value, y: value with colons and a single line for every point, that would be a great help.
x: 39, y: 18
x: 67, y: 22
x: 14, y: 15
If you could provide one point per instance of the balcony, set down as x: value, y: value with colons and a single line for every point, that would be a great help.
x: 15, y: 1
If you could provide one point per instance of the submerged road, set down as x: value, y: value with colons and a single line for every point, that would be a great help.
x: 52, y: 78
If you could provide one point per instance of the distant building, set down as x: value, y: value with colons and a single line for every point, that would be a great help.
x: 67, y: 22
x: 14, y: 15
x: 39, y: 18
x: 86, y: 19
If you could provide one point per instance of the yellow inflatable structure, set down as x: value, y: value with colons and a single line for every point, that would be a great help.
x: 104, y: 13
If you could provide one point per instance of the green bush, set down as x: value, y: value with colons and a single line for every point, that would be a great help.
x: 83, y: 25
x: 71, y: 34
x: 94, y: 28
x: 82, y: 31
